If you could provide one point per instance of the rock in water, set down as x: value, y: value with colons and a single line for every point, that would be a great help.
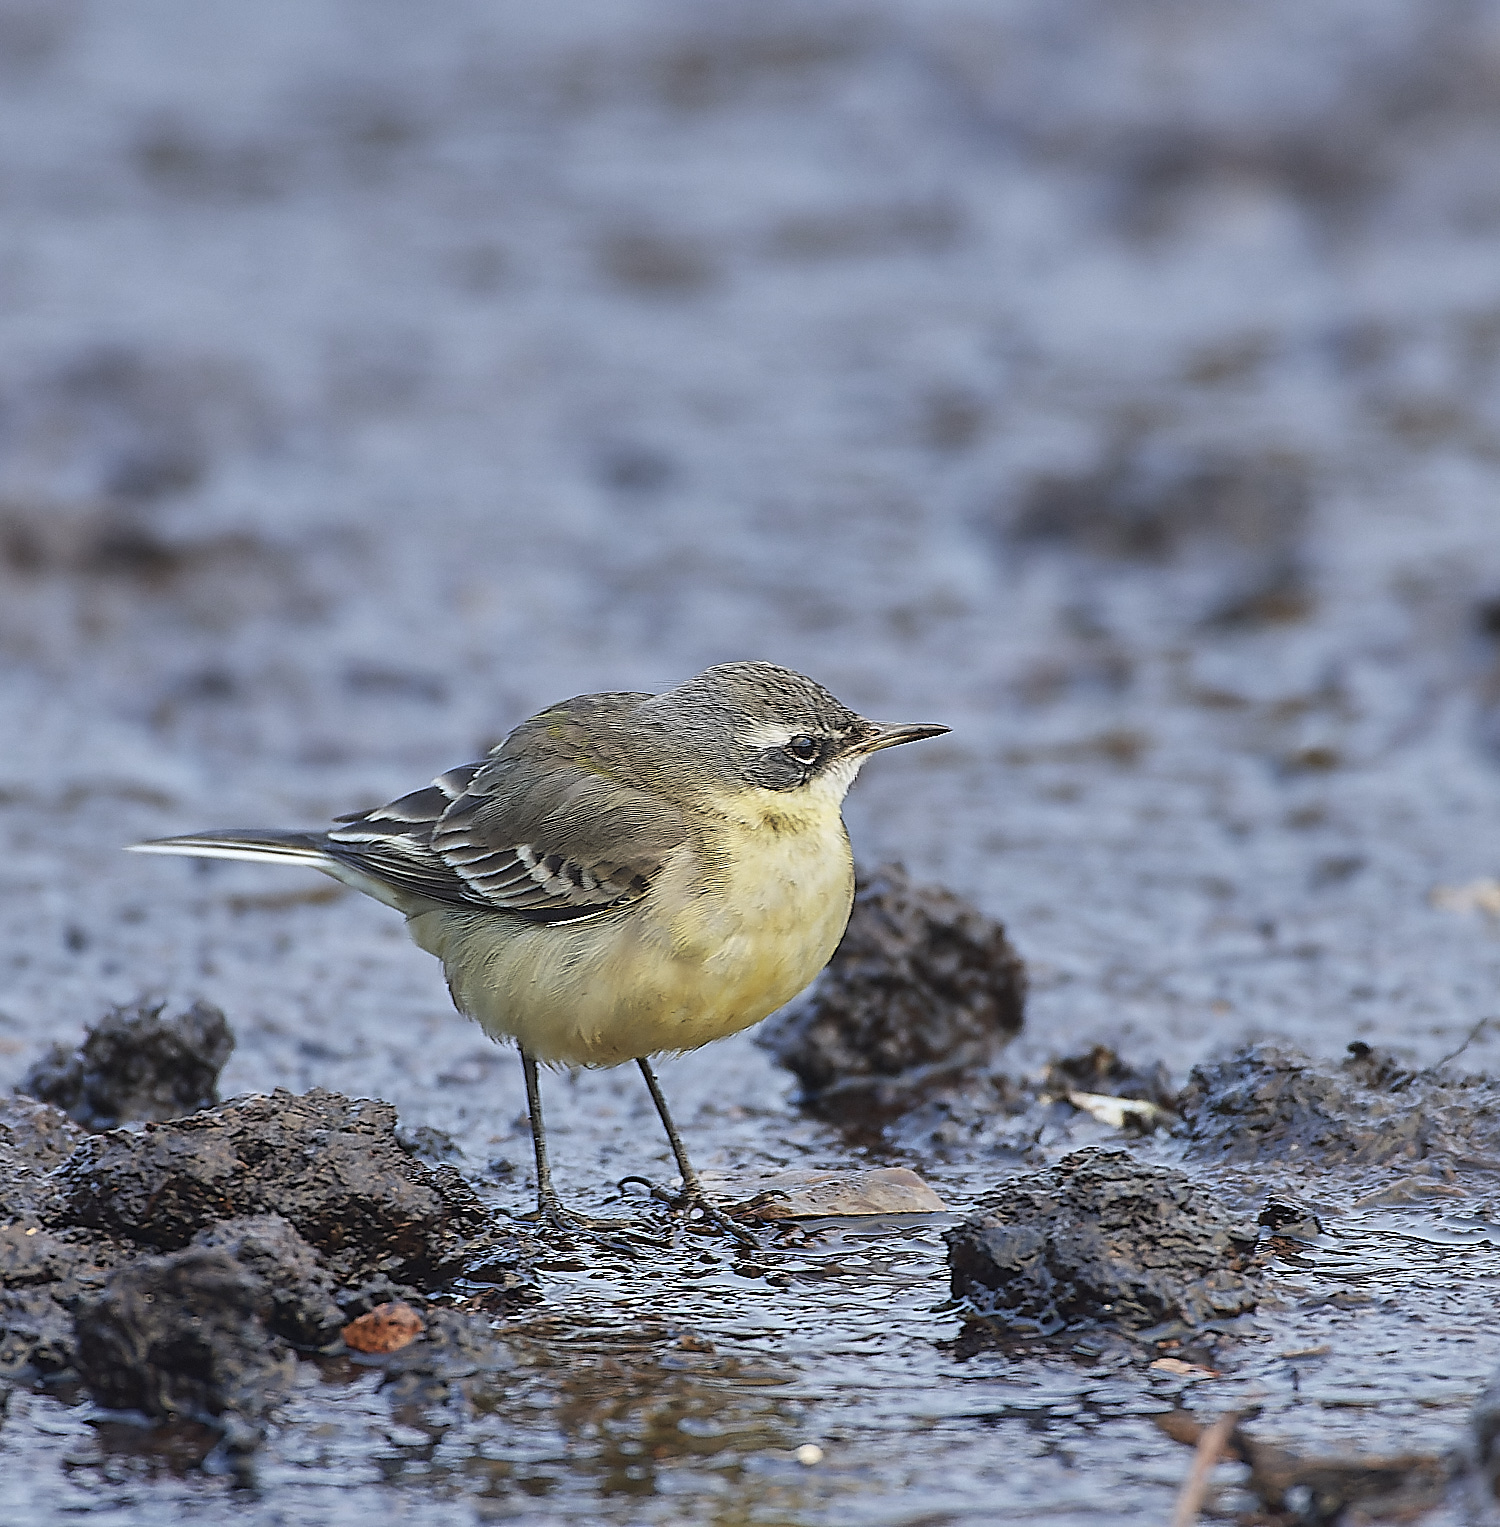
x: 922, y: 981
x: 1102, y: 1239
x: 134, y: 1064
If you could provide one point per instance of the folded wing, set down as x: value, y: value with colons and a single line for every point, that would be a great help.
x: 548, y: 827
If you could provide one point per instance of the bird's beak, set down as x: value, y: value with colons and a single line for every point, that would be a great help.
x: 884, y: 735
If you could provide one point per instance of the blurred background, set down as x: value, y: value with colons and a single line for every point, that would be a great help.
x: 1115, y: 380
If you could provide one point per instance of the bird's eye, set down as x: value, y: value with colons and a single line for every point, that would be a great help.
x: 803, y: 749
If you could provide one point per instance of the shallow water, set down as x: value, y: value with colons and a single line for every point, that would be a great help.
x: 1117, y: 387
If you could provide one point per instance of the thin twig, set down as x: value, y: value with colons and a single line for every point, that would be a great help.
x: 1474, y: 1034
x: 1205, y: 1457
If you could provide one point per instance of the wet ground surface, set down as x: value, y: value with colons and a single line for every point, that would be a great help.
x: 1119, y: 385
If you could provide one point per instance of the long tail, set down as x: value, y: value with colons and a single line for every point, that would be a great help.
x: 264, y: 845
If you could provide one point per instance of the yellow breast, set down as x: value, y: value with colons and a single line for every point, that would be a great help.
x: 735, y: 925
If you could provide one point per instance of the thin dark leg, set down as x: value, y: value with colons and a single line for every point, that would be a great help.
x: 692, y: 1197
x: 692, y: 1188
x: 548, y: 1205
x: 547, y: 1202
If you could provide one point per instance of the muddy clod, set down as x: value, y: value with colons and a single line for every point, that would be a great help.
x: 42, y: 1273
x: 1102, y: 1239
x: 185, y: 1335
x: 135, y: 1064
x: 329, y: 1165
x: 34, y: 1138
x: 923, y: 984
x: 1271, y: 1103
x: 280, y: 1218
x: 42, y: 1279
x: 299, y: 1292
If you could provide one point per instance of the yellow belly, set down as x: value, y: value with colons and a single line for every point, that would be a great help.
x: 720, y: 942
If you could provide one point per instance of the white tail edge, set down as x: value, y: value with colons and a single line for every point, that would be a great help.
x: 266, y: 851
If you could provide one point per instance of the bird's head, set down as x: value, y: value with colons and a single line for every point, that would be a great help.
x: 756, y: 727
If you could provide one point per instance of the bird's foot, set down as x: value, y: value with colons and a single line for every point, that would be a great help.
x: 698, y: 1210
x: 623, y: 1235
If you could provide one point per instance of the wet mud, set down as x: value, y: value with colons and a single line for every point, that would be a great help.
x: 1117, y: 384
x: 1274, y: 1104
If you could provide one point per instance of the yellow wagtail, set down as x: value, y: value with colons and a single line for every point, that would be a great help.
x: 625, y: 875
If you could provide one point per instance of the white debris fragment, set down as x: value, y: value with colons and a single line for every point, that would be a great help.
x: 1117, y: 1112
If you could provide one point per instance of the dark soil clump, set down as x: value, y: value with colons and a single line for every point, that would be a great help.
x: 330, y: 1165
x: 43, y: 1279
x: 134, y: 1064
x: 297, y: 1300
x: 1102, y: 1239
x: 177, y: 1267
x: 42, y: 1274
x: 185, y: 1336
x: 922, y: 987
x: 1268, y: 1103
x: 34, y: 1138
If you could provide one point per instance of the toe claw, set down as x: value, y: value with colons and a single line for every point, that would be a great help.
x: 568, y: 1224
x: 693, y: 1205
x: 653, y: 1190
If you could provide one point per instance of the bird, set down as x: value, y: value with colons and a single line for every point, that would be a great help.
x: 626, y: 875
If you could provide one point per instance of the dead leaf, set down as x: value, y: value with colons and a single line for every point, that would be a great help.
x: 1182, y: 1369
x: 815, y: 1195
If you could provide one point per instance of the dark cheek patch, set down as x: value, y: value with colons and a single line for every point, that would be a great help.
x: 773, y: 770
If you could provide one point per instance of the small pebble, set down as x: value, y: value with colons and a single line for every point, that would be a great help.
x: 387, y: 1328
